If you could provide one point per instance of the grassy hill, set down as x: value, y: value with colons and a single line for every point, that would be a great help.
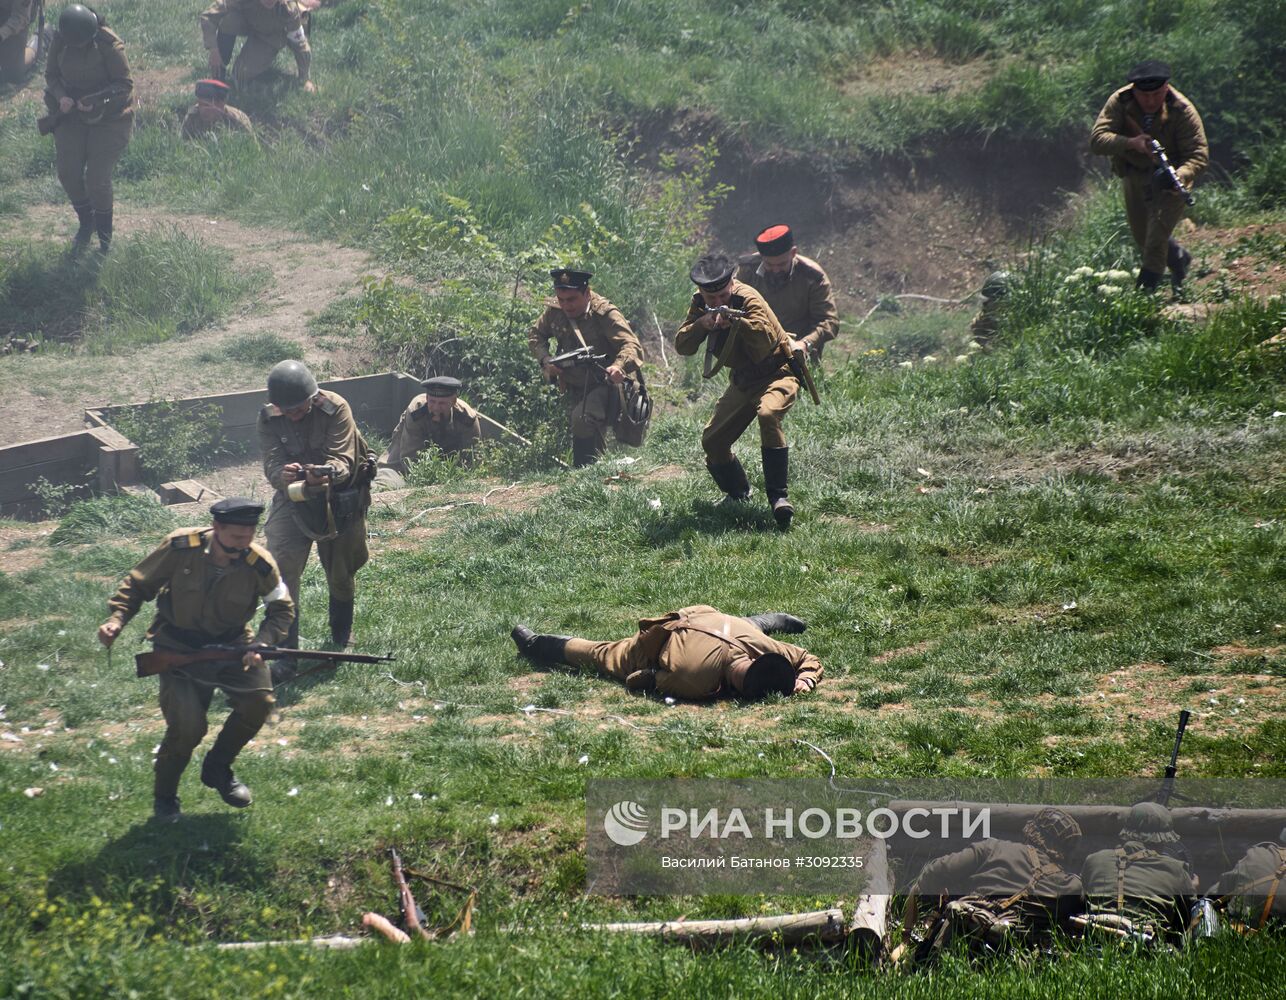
x: 1018, y: 562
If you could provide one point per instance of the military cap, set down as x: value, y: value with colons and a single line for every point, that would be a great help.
x: 237, y: 510
x: 569, y: 278
x: 712, y: 272
x: 212, y: 89
x: 442, y: 386
x: 775, y: 241
x: 1149, y: 75
x: 1149, y: 823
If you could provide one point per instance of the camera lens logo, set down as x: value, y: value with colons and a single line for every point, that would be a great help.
x: 625, y: 824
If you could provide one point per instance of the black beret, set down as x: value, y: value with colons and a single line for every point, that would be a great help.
x: 712, y: 272
x: 237, y: 510
x: 212, y: 89
x: 442, y: 386
x: 1149, y: 75
x: 565, y: 277
x: 775, y: 241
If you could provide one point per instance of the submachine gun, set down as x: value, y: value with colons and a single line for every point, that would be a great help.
x: 1166, y: 175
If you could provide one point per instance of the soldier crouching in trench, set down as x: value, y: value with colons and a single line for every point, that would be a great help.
x: 207, y: 584
x: 694, y: 653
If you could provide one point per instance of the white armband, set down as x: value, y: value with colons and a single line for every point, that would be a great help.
x: 278, y: 593
x: 296, y: 37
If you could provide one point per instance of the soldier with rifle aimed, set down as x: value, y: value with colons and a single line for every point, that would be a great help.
x: 208, y: 584
x: 90, y: 97
x: 766, y: 368
x: 583, y: 323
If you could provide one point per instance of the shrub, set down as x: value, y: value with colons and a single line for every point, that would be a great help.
x: 174, y: 440
x: 113, y: 516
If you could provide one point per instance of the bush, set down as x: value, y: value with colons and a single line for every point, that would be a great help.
x: 174, y: 440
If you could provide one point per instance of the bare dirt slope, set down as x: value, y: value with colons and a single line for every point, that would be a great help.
x: 302, y: 278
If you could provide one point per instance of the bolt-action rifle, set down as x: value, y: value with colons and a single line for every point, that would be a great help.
x: 100, y: 102
x: 160, y: 661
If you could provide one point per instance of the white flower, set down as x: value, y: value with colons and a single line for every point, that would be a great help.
x: 417, y: 796
x: 42, y: 666
x: 1109, y: 290
x: 388, y: 801
x: 583, y: 759
x: 1117, y: 276
x: 1083, y: 271
x: 292, y: 793
x: 904, y: 364
x: 32, y: 793
x: 962, y: 359
x: 654, y: 503
x: 493, y: 819
x: 929, y: 359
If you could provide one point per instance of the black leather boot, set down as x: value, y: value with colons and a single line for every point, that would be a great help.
x: 341, y: 623
x: 584, y: 451
x: 536, y: 646
x: 731, y: 478
x: 1179, y: 260
x: 103, y: 224
x: 776, y: 475
x: 166, y: 809
x: 217, y: 774
x: 777, y: 621
x: 225, y: 44
x: 1147, y: 280
x: 85, y: 216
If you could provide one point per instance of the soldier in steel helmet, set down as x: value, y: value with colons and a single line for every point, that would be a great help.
x: 1000, y: 893
x: 268, y: 27
x: 208, y: 584
x: 578, y: 317
x: 693, y: 653
x: 756, y: 350
x: 1254, y: 891
x: 1150, y: 108
x: 313, y: 454
x: 795, y: 288
x: 1142, y: 879
x: 19, y: 49
x: 90, y: 94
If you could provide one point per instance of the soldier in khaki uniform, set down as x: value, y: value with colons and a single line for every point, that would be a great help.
x: 210, y: 115
x: 86, y: 60
x: 694, y: 653
x: 1255, y: 890
x: 303, y: 427
x: 1142, y: 879
x: 435, y: 417
x: 1001, y: 892
x: 1149, y: 108
x: 17, y: 54
x: 578, y: 317
x: 795, y: 287
x: 268, y: 26
x: 756, y: 351
x: 207, y: 584
x: 987, y: 322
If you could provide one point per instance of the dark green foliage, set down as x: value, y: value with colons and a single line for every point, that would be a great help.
x: 173, y: 440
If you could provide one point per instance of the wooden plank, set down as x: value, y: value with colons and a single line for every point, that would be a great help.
x: 50, y: 449
x: 793, y: 928
x: 15, y: 487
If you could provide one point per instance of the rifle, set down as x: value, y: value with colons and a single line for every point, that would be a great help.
x: 1167, y: 174
x: 799, y: 368
x: 412, y: 915
x: 101, y: 101
x: 728, y: 311
x: 1167, y: 783
x: 298, y: 490
x: 581, y: 357
x: 159, y: 661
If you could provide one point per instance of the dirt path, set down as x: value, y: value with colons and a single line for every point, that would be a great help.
x: 48, y: 395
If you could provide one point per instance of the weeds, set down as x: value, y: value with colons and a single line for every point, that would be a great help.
x: 173, y: 440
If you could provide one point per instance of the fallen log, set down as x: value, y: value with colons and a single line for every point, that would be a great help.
x: 869, y: 927
x: 821, y: 925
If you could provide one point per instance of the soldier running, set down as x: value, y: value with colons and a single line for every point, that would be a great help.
x: 795, y: 287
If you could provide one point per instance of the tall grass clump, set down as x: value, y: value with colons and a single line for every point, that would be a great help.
x: 112, y: 516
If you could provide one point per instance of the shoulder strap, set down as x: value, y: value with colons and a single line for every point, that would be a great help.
x: 1038, y: 872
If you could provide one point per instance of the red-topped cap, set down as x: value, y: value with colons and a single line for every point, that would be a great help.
x: 774, y: 241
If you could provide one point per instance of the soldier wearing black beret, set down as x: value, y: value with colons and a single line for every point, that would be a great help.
x: 741, y: 332
x: 577, y: 317
x: 208, y: 584
x: 435, y: 417
x: 1150, y: 107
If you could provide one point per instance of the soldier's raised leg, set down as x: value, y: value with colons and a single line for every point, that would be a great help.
x: 774, y: 404
x: 184, y: 704
x: 249, y: 690
x: 732, y: 415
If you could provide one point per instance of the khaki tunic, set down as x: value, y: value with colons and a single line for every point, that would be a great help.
x: 804, y: 305
x: 196, y: 605
x: 990, y: 873
x: 416, y: 430
x: 1151, y: 887
x: 1257, y: 885
x: 267, y: 31
x: 1152, y: 214
x: 233, y: 120
x: 15, y: 26
x: 691, y: 652
x: 590, y: 401
x: 328, y: 435
x: 755, y: 349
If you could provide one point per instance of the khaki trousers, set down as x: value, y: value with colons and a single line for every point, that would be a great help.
x: 590, y: 413
x: 769, y: 402
x: 185, y: 699
x: 1152, y: 215
x: 85, y: 156
x: 341, y: 557
x: 257, y: 53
